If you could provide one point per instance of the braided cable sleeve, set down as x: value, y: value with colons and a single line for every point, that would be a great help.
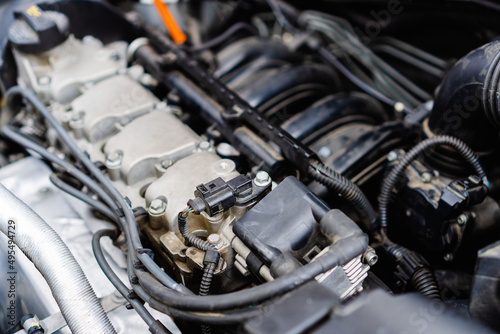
x: 206, y: 280
x: 189, y: 236
x: 351, y: 192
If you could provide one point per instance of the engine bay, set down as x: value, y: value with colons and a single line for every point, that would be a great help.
x: 259, y: 166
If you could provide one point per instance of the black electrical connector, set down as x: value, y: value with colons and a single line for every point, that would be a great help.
x: 211, y: 256
x: 412, y: 268
x: 218, y: 195
x: 210, y: 262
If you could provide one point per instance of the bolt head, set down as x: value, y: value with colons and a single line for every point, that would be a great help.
x: 370, y: 257
x: 204, y: 146
x: 372, y: 260
x: 213, y: 239
x: 324, y: 152
x: 157, y: 206
x: 448, y: 257
x: 399, y: 107
x: 462, y: 219
x: 262, y: 179
x: 426, y: 177
x: 224, y: 149
x: 169, y: 57
x: 166, y: 164
x: 392, y: 156
x: 77, y: 119
x: 114, y: 159
x: 161, y: 106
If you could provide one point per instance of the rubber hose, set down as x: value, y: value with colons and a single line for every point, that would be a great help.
x: 75, y: 297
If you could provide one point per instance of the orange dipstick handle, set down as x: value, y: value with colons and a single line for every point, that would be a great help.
x: 177, y: 35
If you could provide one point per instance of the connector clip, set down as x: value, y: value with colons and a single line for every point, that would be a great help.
x: 218, y: 195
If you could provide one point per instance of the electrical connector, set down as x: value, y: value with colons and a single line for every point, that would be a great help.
x: 218, y: 195
x: 211, y: 256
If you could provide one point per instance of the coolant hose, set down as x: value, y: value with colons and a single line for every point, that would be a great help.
x: 42, y: 245
x: 467, y: 101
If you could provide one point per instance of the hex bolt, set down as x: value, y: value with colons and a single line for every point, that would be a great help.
x: 392, y: 156
x: 161, y: 106
x: 169, y: 57
x: 262, y: 179
x: 462, y: 219
x: 370, y: 257
x: 157, y: 206
x: 215, y: 239
x: 113, y: 163
x: 157, y: 210
x: 124, y: 121
x: 448, y: 257
x: 224, y: 149
x: 76, y: 123
x: 114, y: 159
x: 76, y: 120
x: 165, y: 164
x: 204, y: 146
x: 399, y: 107
x: 426, y: 177
x: 324, y: 152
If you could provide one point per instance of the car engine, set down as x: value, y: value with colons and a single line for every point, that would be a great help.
x: 260, y: 166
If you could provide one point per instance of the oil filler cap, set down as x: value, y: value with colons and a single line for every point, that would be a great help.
x: 35, y: 30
